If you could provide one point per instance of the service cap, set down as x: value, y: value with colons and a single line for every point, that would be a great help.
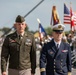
x: 19, y: 19
x: 58, y: 28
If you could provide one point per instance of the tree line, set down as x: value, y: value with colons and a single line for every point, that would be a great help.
x: 48, y: 30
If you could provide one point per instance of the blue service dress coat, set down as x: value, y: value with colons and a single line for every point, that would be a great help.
x: 53, y: 61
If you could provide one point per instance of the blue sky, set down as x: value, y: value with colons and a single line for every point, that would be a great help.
x: 9, y: 9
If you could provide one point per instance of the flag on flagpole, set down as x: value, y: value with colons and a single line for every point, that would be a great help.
x: 55, y: 17
x: 70, y: 17
x: 42, y: 32
x: 73, y: 22
x: 73, y: 19
x: 66, y: 15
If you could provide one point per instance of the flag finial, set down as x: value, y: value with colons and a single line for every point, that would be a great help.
x: 38, y: 20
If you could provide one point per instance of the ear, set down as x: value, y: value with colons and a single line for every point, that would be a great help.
x: 25, y: 25
x: 14, y: 25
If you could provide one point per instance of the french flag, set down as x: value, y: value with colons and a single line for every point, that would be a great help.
x: 42, y: 32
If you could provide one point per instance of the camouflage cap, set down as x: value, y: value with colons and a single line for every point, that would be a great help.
x: 19, y: 19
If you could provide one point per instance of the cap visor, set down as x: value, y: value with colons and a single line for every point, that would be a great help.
x: 58, y: 31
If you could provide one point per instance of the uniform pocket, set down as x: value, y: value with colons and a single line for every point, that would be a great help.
x: 65, y: 69
x: 13, y: 45
x: 27, y: 47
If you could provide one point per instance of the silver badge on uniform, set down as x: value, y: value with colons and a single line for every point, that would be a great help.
x: 28, y: 42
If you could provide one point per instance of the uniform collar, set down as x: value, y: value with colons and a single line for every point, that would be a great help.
x: 20, y: 34
x: 57, y: 43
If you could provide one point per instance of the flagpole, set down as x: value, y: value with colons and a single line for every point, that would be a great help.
x: 39, y: 24
x: 38, y: 29
x: 38, y: 20
x: 42, y: 32
x: 24, y: 17
x: 70, y: 17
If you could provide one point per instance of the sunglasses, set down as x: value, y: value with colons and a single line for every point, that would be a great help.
x: 58, y: 31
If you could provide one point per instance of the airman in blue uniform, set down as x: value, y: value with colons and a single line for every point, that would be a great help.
x: 56, y: 60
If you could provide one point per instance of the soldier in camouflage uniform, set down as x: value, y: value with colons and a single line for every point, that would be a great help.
x: 19, y: 47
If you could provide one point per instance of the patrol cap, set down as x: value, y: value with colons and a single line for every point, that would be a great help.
x: 19, y: 19
x: 58, y: 28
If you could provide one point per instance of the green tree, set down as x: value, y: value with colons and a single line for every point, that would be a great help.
x: 27, y: 28
x: 5, y: 29
x: 48, y: 30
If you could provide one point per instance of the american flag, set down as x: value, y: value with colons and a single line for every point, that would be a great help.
x: 69, y: 17
x: 66, y: 15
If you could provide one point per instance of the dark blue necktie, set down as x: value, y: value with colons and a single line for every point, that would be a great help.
x: 57, y: 46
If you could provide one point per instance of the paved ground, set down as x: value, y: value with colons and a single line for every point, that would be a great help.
x: 74, y: 71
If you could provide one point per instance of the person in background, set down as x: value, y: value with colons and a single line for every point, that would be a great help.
x: 55, y: 58
x: 64, y: 39
x: 19, y: 47
x: 70, y: 40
